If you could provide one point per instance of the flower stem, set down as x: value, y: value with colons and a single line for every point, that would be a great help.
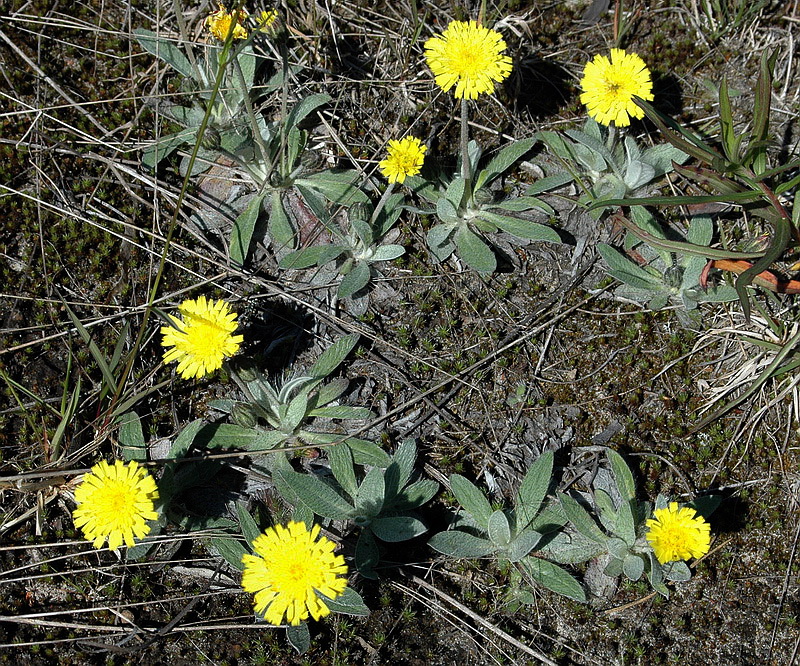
x: 381, y: 203
x: 466, y: 172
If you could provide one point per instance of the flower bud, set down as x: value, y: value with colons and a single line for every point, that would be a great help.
x: 211, y: 139
x: 483, y: 196
x: 244, y: 415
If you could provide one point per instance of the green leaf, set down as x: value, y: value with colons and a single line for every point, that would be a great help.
x: 131, y: 437
x: 415, y: 494
x: 368, y: 453
x: 532, y: 490
x: 367, y: 555
x: 331, y: 391
x: 333, y: 356
x: 299, y: 637
x: 243, y: 227
x: 521, y: 228
x: 393, y: 529
x: 250, y: 529
x: 446, y: 211
x: 280, y: 228
x: 306, y: 106
x: 348, y: 603
x: 183, y: 442
x: 342, y: 412
x: 627, y: 271
x: 524, y: 203
x: 522, y: 544
x: 571, y: 548
x: 387, y: 252
x: 166, y: 145
x: 399, y: 471
x: 677, y: 572
x: 504, y: 160
x: 581, y: 519
x: 471, y: 499
x: 455, y: 543
x: 498, y: 529
x: 439, y: 236
x: 474, y: 251
x: 336, y: 186
x: 369, y: 497
x: 226, y: 436
x: 166, y: 49
x: 231, y: 550
x: 633, y: 566
x: 626, y: 523
x: 316, y: 255
x: 355, y: 280
x: 341, y: 459
x: 553, y: 577
x: 316, y: 495
x: 622, y: 475
x: 548, y: 183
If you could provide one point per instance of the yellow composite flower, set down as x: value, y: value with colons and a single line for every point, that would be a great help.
x: 202, y: 338
x: 403, y: 158
x: 266, y: 19
x: 678, y: 534
x: 468, y: 56
x: 114, y: 501
x: 610, y: 85
x: 219, y: 24
x: 289, y: 571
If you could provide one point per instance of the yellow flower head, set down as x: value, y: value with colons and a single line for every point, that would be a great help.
x: 114, y: 502
x: 219, y: 24
x: 288, y: 571
x: 266, y: 19
x: 468, y: 56
x: 202, y: 338
x: 610, y: 85
x: 403, y: 158
x: 678, y: 534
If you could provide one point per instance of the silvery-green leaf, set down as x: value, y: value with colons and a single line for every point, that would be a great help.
x: 460, y: 544
x: 367, y: 453
x: 662, y: 156
x: 618, y: 548
x: 532, y: 490
x: 581, y: 519
x: 524, y: 203
x: 369, y: 498
x: 316, y: 255
x: 415, y: 495
x: 333, y: 356
x: 622, y: 475
x: 446, y: 211
x: 342, y: 412
x: 250, y: 529
x: 164, y: 147
x: 348, y: 603
x: 571, y: 548
x: 299, y: 637
x: 522, y: 228
x: 638, y: 174
x: 503, y: 161
x: 316, y: 495
x: 367, y: 555
x: 655, y: 574
x: 332, y: 390
x: 336, y: 186
x: 549, y: 519
x: 607, y: 512
x: 296, y: 412
x: 393, y: 529
x: 306, y: 106
x: 472, y: 499
x: 613, y: 568
x: 474, y: 251
x: 633, y: 567
x: 230, y: 549
x: 701, y: 230
x: 626, y: 525
x: 166, y: 49
x: 400, y: 469
x: 131, y: 437
x: 243, y: 227
x: 279, y: 226
x: 627, y: 271
x: 455, y: 192
x: 658, y: 302
x: 387, y: 252
x: 498, y: 529
x: 439, y: 235
x: 553, y: 577
x: 551, y: 182
x: 475, y: 152
x: 677, y: 572
x: 522, y: 544
x: 341, y: 459
x: 355, y: 280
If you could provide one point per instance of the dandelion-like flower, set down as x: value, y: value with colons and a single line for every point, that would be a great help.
x: 202, y: 338
x: 219, y: 24
x: 610, y: 85
x: 678, y: 534
x: 468, y: 56
x: 289, y: 571
x: 114, y: 501
x: 403, y: 158
x: 266, y: 19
